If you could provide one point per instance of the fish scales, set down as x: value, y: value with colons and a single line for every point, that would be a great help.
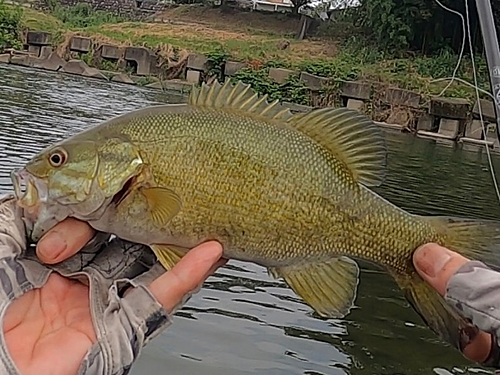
x: 227, y: 172
x: 237, y: 175
x: 289, y: 192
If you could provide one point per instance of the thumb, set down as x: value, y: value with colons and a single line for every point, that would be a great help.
x: 173, y: 287
x: 63, y: 241
x: 436, y: 265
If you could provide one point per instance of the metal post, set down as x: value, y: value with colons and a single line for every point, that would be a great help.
x: 490, y: 41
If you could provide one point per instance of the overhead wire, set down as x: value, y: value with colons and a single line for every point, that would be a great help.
x: 475, y: 85
x: 462, y: 48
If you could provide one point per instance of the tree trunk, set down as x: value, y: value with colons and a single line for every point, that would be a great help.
x: 304, y: 24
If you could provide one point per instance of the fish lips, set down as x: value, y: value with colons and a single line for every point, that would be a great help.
x: 29, y: 190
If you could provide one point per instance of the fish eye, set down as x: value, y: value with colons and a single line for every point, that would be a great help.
x: 57, y: 158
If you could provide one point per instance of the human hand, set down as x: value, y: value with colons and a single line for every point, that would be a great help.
x: 451, y: 275
x: 50, y: 330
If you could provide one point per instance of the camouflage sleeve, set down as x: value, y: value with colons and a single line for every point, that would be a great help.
x: 125, y: 314
x: 475, y: 291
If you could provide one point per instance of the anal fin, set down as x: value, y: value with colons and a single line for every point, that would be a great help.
x: 328, y: 287
x: 168, y: 255
x: 436, y: 313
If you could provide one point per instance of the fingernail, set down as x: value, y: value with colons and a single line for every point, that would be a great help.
x: 430, y: 259
x: 51, y: 246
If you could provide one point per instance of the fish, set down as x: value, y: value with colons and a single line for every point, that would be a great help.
x: 290, y: 192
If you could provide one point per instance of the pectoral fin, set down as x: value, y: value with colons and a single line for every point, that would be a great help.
x: 163, y: 204
x: 329, y: 288
x: 168, y: 255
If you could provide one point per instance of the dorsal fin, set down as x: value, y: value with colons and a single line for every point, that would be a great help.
x: 351, y: 137
x: 239, y: 98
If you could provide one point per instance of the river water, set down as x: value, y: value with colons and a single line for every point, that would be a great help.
x: 242, y: 321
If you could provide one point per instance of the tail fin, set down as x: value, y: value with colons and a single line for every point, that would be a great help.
x: 434, y: 310
x: 475, y: 239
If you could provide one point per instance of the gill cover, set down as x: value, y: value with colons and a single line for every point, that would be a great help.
x: 119, y: 161
x: 91, y: 173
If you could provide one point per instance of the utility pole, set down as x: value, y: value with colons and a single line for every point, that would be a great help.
x: 490, y: 41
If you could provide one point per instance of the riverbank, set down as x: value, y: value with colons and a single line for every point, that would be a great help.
x: 187, y: 45
x: 263, y: 40
x: 456, y: 123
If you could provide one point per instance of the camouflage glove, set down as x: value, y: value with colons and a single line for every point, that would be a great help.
x: 475, y: 291
x: 123, y: 323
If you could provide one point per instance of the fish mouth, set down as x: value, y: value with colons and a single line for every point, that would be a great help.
x: 29, y: 190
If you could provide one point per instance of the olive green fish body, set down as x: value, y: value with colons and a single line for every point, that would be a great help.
x: 269, y: 194
x: 289, y: 192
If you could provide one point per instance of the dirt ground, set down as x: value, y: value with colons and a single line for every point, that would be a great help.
x: 264, y: 33
x: 234, y: 20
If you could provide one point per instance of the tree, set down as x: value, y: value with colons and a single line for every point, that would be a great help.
x: 10, y: 27
x: 297, y: 4
x: 416, y: 24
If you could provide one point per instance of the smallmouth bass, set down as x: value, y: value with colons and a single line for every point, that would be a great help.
x: 288, y: 192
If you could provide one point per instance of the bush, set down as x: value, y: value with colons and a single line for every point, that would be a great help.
x: 399, y: 26
x: 293, y: 90
x: 10, y: 27
x: 82, y: 15
x: 216, y: 60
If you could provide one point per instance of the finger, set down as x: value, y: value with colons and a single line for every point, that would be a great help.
x: 187, y: 275
x: 64, y: 240
x: 479, y: 349
x: 436, y: 265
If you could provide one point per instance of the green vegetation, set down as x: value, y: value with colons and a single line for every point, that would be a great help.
x: 419, y: 73
x: 398, y: 26
x: 293, y: 90
x: 10, y: 26
x: 194, y: 39
x: 35, y: 20
x: 81, y: 15
x: 216, y: 61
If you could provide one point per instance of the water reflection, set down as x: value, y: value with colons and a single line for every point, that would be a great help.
x: 243, y: 321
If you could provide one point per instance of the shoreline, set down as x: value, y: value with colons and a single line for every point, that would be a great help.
x: 182, y: 88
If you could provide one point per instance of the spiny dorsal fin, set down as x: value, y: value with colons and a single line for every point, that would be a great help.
x: 350, y: 136
x: 238, y: 98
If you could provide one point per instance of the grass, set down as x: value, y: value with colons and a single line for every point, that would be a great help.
x: 192, y: 36
x: 203, y: 39
x: 35, y: 20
